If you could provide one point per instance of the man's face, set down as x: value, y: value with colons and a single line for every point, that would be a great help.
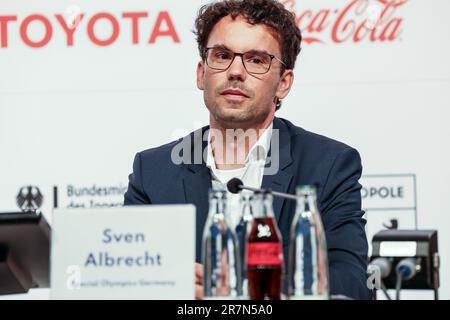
x: 235, y: 97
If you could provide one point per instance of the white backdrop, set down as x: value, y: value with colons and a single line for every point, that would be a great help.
x: 74, y: 115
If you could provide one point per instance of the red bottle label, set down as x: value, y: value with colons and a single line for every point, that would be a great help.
x: 264, y: 254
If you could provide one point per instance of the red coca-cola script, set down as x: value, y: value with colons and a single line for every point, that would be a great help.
x: 353, y: 21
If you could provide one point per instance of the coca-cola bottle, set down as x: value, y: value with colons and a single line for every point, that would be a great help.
x: 243, y: 229
x: 308, y: 262
x: 220, y: 257
x: 264, y: 252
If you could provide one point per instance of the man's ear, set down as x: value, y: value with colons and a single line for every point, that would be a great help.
x: 201, y: 75
x: 286, y: 81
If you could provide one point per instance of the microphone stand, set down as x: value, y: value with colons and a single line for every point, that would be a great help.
x: 274, y: 193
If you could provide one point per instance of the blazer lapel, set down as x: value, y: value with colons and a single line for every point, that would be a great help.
x: 197, y: 182
x: 275, y: 176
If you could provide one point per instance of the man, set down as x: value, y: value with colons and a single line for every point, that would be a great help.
x: 248, y: 51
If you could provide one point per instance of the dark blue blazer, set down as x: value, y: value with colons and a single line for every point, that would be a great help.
x: 305, y: 158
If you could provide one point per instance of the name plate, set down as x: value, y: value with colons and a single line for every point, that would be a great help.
x: 133, y: 252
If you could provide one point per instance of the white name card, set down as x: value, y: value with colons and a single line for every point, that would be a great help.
x: 133, y: 252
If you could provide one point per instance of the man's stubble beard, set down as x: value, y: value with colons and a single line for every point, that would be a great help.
x: 231, y: 116
x: 246, y: 113
x: 238, y: 114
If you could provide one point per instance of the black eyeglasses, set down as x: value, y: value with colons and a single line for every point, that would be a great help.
x: 255, y: 62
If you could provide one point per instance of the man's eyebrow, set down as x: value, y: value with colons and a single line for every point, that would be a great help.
x: 224, y: 47
x: 258, y: 51
x: 221, y: 46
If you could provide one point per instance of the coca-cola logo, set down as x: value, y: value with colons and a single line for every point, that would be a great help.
x: 355, y: 21
x: 264, y: 254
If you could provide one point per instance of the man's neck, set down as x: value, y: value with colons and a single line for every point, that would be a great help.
x: 232, y: 143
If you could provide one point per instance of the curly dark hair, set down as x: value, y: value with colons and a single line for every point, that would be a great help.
x: 268, y: 12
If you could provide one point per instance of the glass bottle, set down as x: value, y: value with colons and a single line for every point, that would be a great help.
x: 264, y: 252
x: 220, y: 257
x: 308, y: 262
x: 243, y: 229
